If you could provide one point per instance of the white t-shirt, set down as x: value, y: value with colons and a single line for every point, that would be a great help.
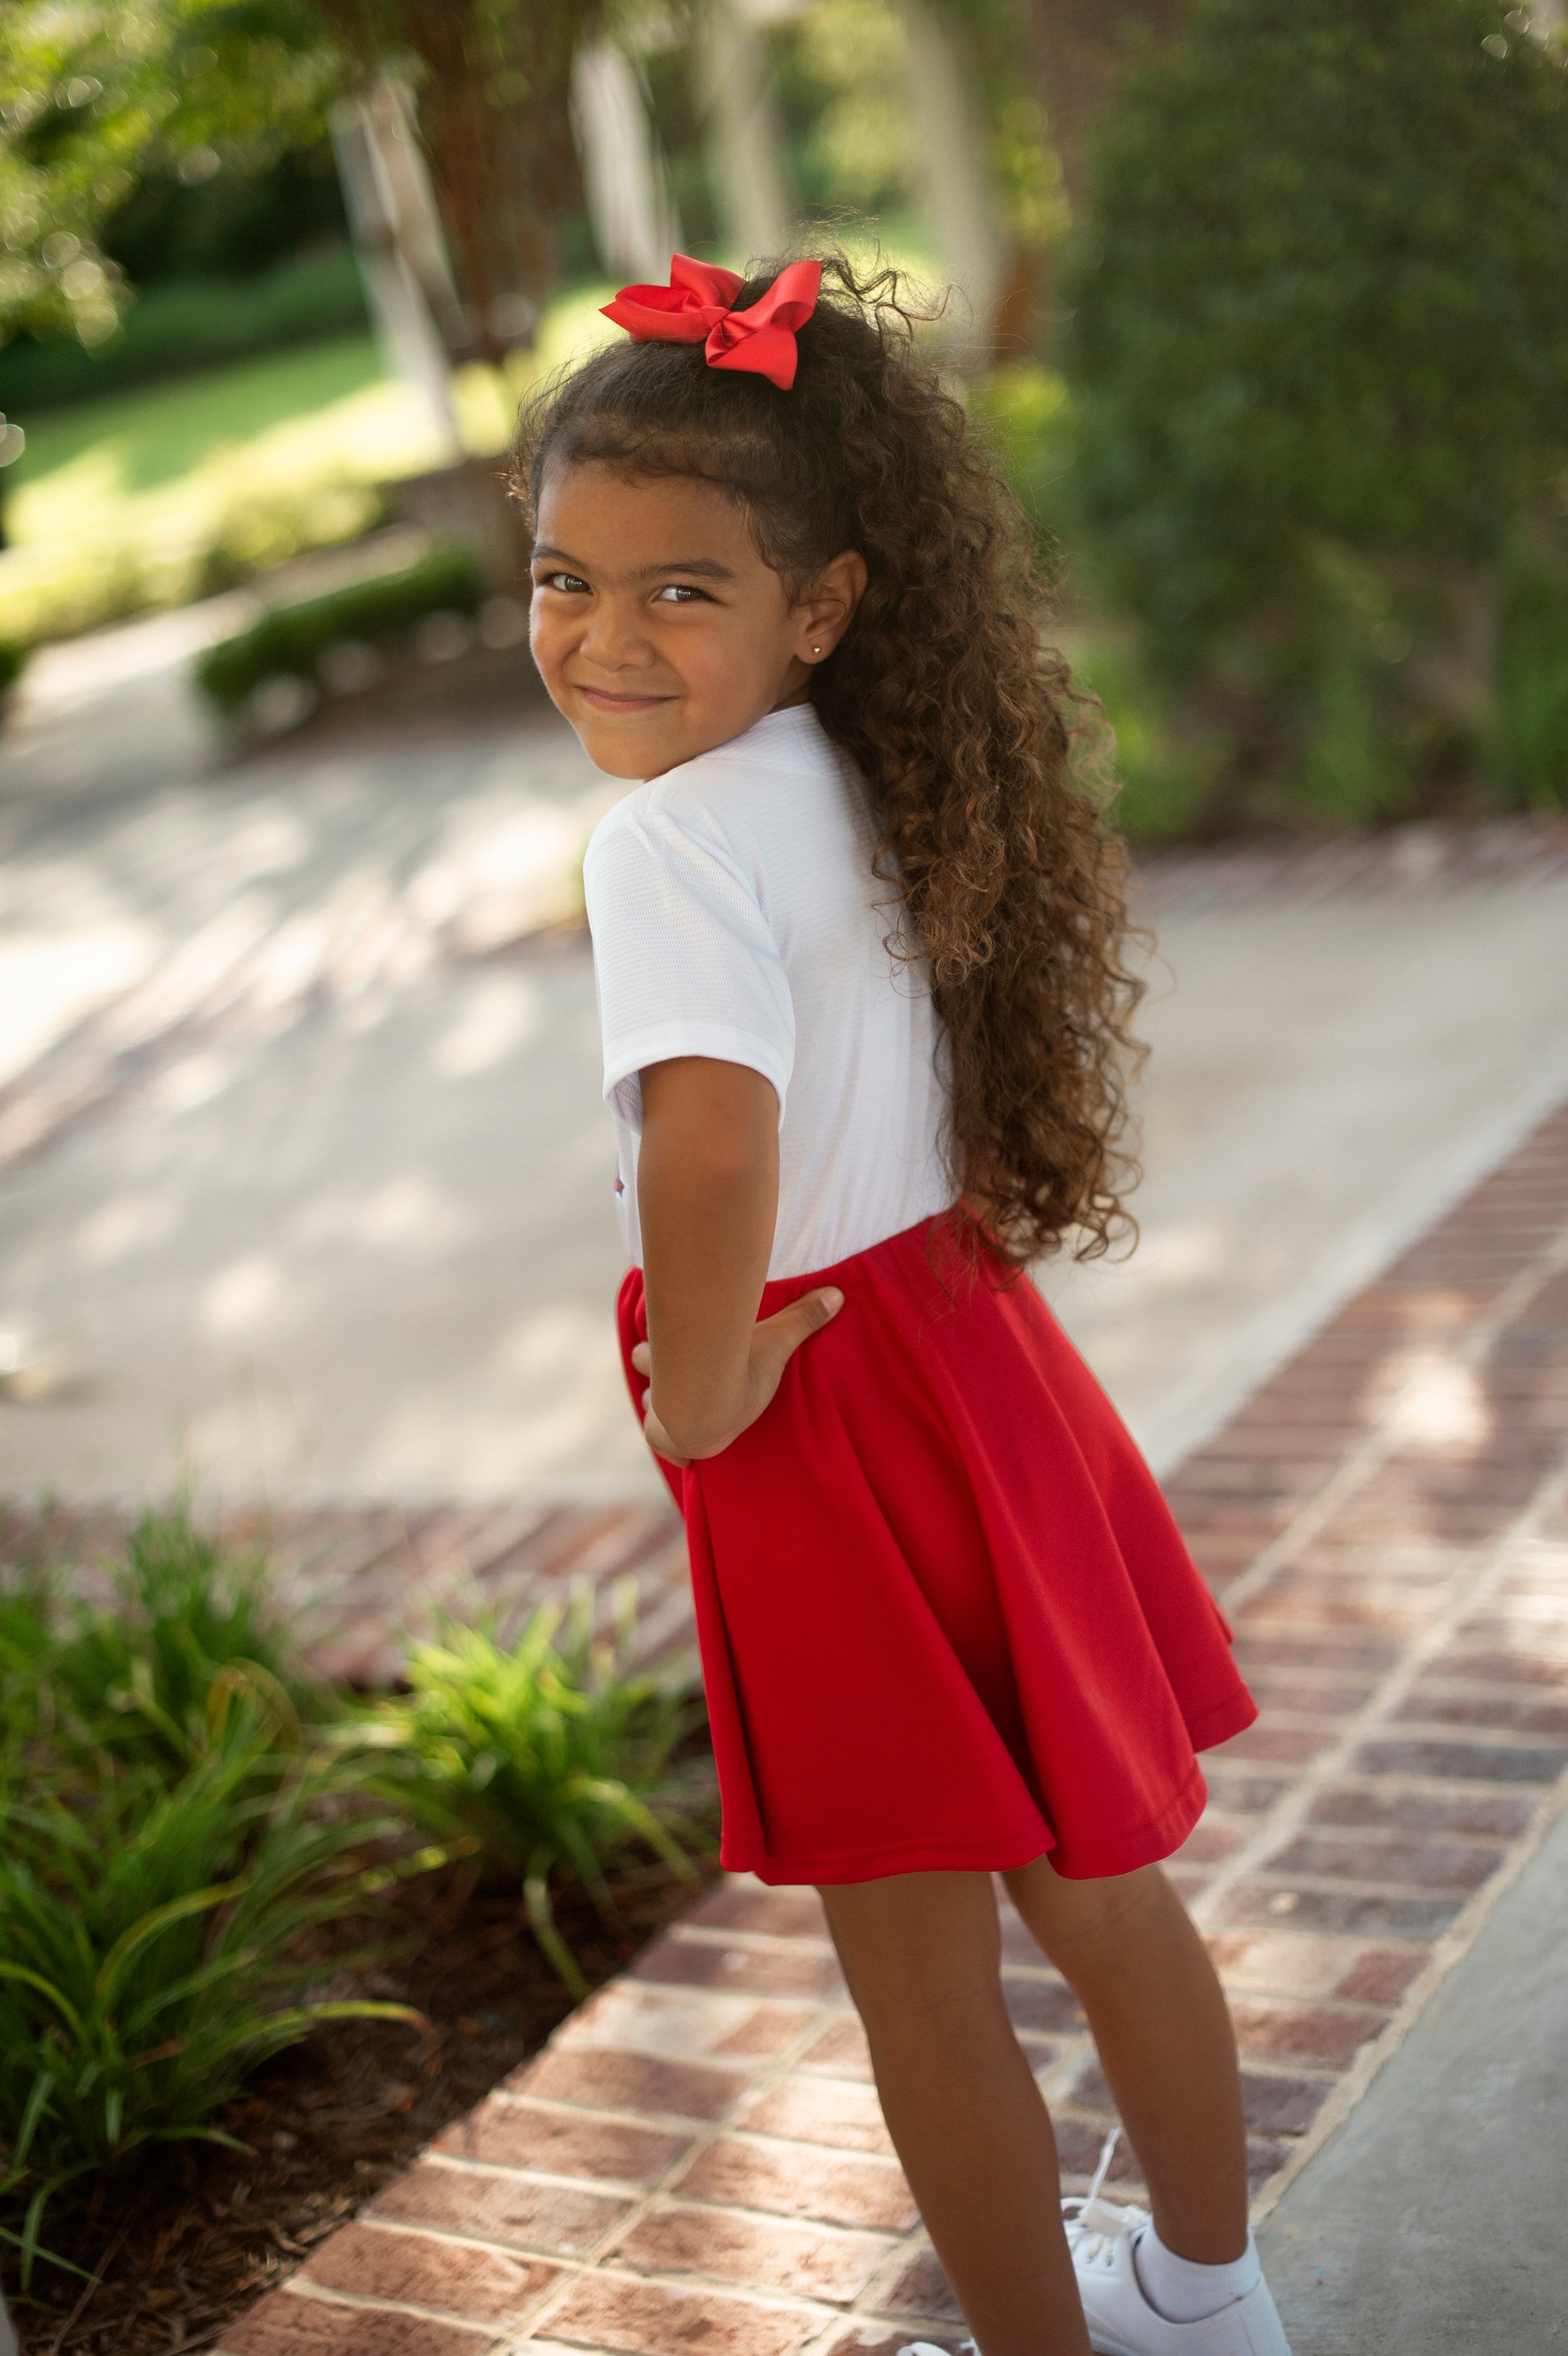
x: 735, y: 915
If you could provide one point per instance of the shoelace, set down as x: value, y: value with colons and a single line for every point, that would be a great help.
x: 1097, y: 2240
x: 1095, y: 2226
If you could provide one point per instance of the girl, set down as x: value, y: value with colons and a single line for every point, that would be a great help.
x: 858, y: 948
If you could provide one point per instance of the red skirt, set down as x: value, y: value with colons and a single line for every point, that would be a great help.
x: 947, y: 1621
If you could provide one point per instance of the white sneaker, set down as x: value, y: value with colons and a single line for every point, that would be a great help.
x: 1104, y: 2240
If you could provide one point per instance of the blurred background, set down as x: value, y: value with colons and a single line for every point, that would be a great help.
x: 1261, y: 306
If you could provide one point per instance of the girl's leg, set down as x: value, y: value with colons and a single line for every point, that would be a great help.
x: 1128, y: 1949
x: 921, y: 1953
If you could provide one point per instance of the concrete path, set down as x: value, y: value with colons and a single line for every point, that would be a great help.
x: 307, y: 1185
x: 1433, y: 2221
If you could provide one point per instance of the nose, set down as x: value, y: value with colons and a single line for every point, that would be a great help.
x: 614, y: 637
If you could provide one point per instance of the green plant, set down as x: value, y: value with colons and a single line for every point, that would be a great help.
x: 1528, y: 739
x: 291, y: 639
x: 1025, y: 412
x: 136, y: 1678
x: 150, y: 1940
x: 555, y: 1759
x: 1319, y: 356
x: 13, y: 662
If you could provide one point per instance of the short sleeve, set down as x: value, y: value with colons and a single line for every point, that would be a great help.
x: 683, y: 960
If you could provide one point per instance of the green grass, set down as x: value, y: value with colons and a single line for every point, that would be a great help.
x: 160, y: 494
x: 112, y: 449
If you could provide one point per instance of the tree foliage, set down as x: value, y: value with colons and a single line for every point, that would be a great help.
x: 95, y: 96
x: 1320, y: 354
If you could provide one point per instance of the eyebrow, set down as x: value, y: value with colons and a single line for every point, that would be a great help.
x: 707, y: 568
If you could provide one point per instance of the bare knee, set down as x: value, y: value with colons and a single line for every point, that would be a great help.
x: 917, y: 1949
x: 1075, y: 1922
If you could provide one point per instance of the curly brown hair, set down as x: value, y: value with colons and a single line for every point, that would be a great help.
x: 960, y: 717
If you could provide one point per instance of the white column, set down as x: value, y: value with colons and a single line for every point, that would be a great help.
x: 745, y: 138
x: 391, y: 241
x: 953, y: 165
x: 630, y: 206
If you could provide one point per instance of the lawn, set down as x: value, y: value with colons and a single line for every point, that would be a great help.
x: 150, y: 496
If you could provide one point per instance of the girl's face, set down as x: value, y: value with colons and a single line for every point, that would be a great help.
x: 656, y: 626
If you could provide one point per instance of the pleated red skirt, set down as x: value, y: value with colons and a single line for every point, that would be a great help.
x: 947, y: 1621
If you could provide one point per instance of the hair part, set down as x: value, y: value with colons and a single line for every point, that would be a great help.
x: 960, y: 717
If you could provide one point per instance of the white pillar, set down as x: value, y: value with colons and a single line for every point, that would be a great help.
x: 953, y: 167
x: 397, y: 243
x: 630, y: 206
x: 745, y: 138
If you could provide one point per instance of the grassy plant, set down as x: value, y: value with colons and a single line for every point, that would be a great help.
x: 136, y: 1679
x: 554, y: 1757
x: 149, y: 1944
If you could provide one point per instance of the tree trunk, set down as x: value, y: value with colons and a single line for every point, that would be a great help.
x: 1079, y: 46
x: 495, y: 116
x: 954, y: 171
x: 629, y: 209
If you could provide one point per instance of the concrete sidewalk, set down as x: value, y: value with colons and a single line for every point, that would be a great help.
x: 1435, y: 2222
x: 309, y: 1186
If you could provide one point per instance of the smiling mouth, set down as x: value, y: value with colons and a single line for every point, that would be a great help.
x: 603, y: 700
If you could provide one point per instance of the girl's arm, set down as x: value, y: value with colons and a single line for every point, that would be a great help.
x: 707, y: 1196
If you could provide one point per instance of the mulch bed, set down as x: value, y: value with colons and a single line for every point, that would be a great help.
x: 186, y: 2238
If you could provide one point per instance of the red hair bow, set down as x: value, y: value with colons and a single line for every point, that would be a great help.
x: 698, y: 307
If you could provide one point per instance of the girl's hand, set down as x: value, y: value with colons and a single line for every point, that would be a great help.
x: 774, y: 1342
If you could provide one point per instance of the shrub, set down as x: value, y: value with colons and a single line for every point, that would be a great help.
x: 182, y: 325
x: 1320, y: 361
x: 149, y: 1945
x: 1526, y: 742
x: 57, y: 589
x: 1024, y: 413
x: 290, y: 640
x: 555, y: 1760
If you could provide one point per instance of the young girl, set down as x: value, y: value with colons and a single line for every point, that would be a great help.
x: 859, y: 945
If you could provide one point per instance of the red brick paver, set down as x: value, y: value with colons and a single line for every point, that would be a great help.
x: 697, y: 2155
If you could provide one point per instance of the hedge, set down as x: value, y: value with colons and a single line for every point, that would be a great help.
x: 291, y: 639
x: 1319, y: 355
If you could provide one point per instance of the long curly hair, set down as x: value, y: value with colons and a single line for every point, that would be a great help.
x: 944, y: 691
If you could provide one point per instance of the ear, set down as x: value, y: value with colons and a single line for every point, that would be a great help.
x: 827, y: 609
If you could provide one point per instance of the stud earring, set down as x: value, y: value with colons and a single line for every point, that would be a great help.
x: 816, y: 650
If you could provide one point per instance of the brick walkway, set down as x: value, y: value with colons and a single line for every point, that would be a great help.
x: 697, y: 2157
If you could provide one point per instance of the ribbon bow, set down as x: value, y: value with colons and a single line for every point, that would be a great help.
x: 698, y: 307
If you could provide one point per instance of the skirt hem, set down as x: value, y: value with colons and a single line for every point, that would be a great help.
x: 1157, y: 1838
